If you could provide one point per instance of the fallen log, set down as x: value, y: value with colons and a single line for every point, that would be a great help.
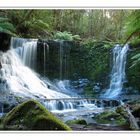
x: 127, y: 114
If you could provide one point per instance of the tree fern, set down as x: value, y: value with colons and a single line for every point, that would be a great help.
x: 136, y: 60
x: 132, y: 26
x: 132, y: 30
x: 6, y: 26
x: 66, y: 36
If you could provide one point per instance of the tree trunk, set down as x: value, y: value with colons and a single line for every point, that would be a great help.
x: 131, y: 118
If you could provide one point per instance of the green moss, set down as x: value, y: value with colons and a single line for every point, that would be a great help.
x: 120, y: 110
x: 110, y: 117
x: 76, y: 122
x: 31, y: 115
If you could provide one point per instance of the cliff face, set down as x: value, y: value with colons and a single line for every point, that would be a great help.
x: 4, y: 41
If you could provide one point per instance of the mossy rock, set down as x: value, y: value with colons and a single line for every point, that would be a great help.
x: 79, y: 121
x: 110, y: 117
x: 121, y: 110
x: 31, y: 115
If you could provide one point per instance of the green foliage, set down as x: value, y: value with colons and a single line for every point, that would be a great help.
x: 107, y: 46
x: 31, y: 115
x: 41, y: 24
x: 132, y: 33
x: 135, y: 41
x: 100, y: 24
x: 6, y: 26
x: 92, y: 60
x: 136, y: 60
x: 133, y: 69
x: 27, y: 23
x: 37, y: 25
x: 63, y: 35
x: 133, y: 23
x: 76, y: 37
x: 66, y: 36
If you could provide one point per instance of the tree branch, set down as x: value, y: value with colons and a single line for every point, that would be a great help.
x: 132, y: 34
x: 26, y: 17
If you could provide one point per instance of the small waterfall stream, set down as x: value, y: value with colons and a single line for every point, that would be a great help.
x: 44, y: 47
x: 118, y: 72
x: 61, y: 55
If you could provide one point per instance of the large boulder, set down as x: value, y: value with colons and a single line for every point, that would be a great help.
x: 31, y: 115
x: 112, y: 118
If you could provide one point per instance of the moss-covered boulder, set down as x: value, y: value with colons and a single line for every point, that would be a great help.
x: 31, y: 115
x: 110, y: 117
x: 78, y: 121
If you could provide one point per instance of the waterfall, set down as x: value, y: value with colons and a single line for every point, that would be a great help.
x: 61, y: 53
x: 44, y: 58
x: 67, y: 105
x: 65, y: 87
x: 17, y: 77
x: 118, y: 72
x: 21, y: 80
x: 27, y: 50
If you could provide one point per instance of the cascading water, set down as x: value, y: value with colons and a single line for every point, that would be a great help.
x: 22, y: 81
x: 61, y: 51
x: 27, y: 50
x: 18, y: 79
x: 67, y: 105
x: 65, y: 87
x: 44, y: 59
x: 118, y: 71
x: 46, y: 56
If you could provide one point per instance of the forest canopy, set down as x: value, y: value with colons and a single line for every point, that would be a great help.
x: 105, y: 24
x: 83, y: 25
